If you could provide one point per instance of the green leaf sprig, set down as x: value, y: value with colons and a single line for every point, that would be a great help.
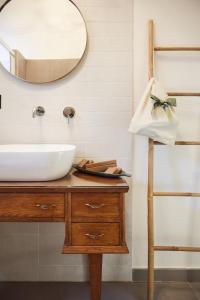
x: 166, y: 103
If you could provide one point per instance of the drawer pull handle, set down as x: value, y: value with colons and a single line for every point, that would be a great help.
x: 45, y: 206
x: 94, y: 237
x: 95, y: 206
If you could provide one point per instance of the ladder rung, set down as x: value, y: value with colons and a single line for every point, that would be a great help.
x: 183, y: 94
x: 180, y: 143
x: 164, y: 194
x: 164, y: 48
x: 176, y: 248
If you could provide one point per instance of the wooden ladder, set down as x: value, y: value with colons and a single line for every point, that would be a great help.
x: 151, y: 194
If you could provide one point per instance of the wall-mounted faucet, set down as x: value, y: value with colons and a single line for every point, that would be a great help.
x: 69, y: 113
x: 38, y: 111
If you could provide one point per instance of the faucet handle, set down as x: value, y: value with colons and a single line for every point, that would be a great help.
x: 38, y: 111
x: 69, y: 113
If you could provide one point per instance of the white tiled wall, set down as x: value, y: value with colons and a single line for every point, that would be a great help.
x: 100, y: 90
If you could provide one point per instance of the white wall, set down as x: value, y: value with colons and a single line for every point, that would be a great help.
x: 5, y: 57
x: 101, y: 92
x: 177, y: 219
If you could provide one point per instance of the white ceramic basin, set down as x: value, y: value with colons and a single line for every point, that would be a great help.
x: 35, y: 162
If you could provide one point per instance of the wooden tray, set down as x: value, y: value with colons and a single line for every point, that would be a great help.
x: 102, y: 174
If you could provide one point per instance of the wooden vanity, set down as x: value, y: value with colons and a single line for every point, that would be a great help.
x: 91, y: 207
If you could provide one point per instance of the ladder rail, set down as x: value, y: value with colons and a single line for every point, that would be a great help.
x: 151, y: 194
x: 175, y: 48
x: 176, y: 248
x: 175, y: 194
x: 184, y: 94
x: 181, y: 143
x: 150, y: 284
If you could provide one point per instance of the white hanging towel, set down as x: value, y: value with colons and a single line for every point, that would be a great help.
x: 155, y: 116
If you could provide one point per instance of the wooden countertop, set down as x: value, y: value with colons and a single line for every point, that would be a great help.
x: 74, y: 181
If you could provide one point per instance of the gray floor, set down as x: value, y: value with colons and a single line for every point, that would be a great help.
x: 111, y: 291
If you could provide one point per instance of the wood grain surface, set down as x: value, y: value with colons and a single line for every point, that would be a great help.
x: 16, y: 206
x: 105, y: 234
x: 95, y: 207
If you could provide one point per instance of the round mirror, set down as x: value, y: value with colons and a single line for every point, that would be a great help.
x: 41, y: 40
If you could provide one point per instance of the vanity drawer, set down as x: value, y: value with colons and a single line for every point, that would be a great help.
x: 95, y: 207
x: 95, y: 234
x: 19, y: 206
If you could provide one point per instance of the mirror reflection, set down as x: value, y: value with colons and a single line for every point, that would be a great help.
x: 41, y: 40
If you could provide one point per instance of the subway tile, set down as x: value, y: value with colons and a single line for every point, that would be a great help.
x: 18, y: 257
x: 63, y: 273
x: 117, y: 273
x: 50, y: 248
x: 106, y: 104
x: 107, y: 74
x: 76, y: 134
x: 51, y: 228
x: 100, y: 89
x: 125, y: 164
x: 18, y: 248
x: 120, y: 13
x: 117, y: 259
x: 110, y: 44
x: 80, y: 273
x: 104, y: 3
x: 7, y: 228
x: 109, y: 59
x: 19, y: 272
x: 96, y: 133
x: 109, y: 148
x: 121, y: 120
x: 107, y: 29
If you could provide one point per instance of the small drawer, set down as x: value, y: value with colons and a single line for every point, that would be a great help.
x: 95, y: 234
x: 95, y: 207
x: 19, y: 206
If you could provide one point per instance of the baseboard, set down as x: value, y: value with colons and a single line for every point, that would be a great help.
x: 181, y: 275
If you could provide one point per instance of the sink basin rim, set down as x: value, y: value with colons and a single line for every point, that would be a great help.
x: 35, y: 162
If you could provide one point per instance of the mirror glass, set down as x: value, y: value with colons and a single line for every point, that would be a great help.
x: 41, y: 40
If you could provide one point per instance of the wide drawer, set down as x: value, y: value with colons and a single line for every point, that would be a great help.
x: 19, y: 206
x: 95, y: 234
x: 95, y: 207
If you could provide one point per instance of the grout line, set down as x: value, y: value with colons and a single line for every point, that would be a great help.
x: 84, y: 264
x: 107, y: 22
x: 193, y: 291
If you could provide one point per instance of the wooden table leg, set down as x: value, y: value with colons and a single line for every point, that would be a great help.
x: 95, y: 266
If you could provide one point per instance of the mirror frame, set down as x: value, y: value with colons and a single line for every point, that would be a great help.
x: 62, y: 77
